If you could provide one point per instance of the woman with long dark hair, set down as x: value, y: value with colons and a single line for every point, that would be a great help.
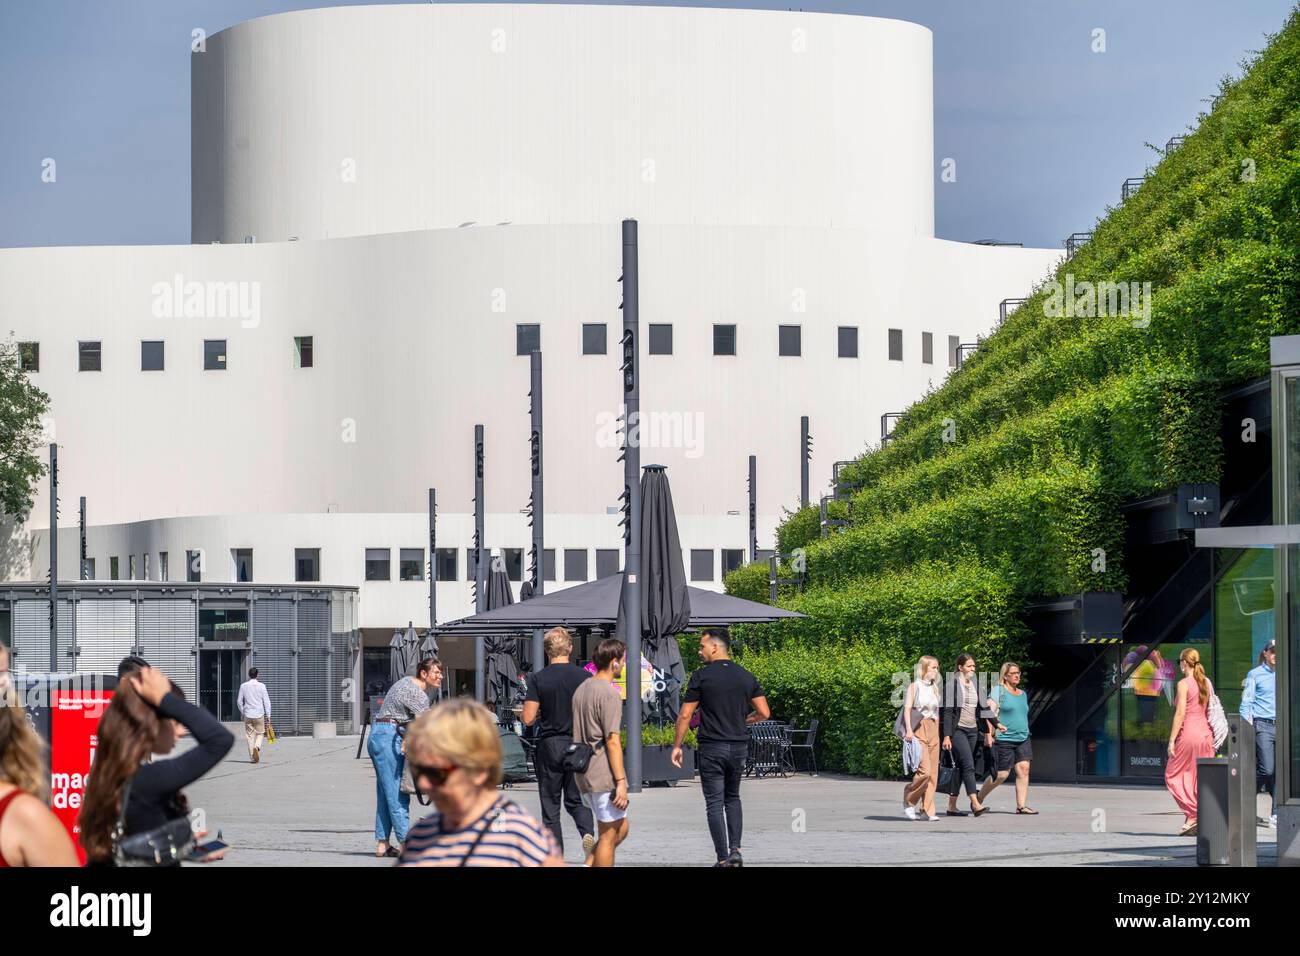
x: 147, y: 715
x: 30, y: 835
x: 962, y: 724
x: 1190, y: 737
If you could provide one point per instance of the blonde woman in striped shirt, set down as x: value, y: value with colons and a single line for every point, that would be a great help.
x: 455, y: 754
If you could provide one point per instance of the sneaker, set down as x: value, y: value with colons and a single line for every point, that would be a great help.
x: 1272, y: 821
x: 588, y: 844
x: 933, y: 818
x: 735, y: 859
x: 910, y: 812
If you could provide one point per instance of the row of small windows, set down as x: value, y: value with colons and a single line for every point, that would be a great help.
x: 528, y: 338
x: 410, y: 564
x: 152, y: 355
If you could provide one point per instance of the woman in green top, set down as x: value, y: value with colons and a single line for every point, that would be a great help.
x: 1011, y: 745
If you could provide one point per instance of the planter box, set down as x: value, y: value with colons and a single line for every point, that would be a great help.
x: 657, y: 765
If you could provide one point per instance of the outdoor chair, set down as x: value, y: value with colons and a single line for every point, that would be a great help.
x: 769, y: 749
x: 808, y: 742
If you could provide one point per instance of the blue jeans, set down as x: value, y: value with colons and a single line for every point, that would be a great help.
x: 392, y: 807
x: 721, y: 765
x: 1265, y: 758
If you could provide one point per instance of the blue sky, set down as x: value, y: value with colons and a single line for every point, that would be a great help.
x: 1043, y: 129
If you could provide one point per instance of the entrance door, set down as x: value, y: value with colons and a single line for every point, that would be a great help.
x: 219, y: 682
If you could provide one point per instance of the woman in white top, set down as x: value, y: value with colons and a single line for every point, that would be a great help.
x: 921, y: 721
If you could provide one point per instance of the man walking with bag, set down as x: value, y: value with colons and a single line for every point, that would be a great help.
x: 597, y: 721
x: 255, y: 706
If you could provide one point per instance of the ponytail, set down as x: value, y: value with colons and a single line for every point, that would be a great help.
x: 1192, y: 658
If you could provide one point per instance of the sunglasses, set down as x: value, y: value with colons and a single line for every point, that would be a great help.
x: 437, y: 775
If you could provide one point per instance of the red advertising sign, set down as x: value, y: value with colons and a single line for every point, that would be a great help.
x: 74, y: 727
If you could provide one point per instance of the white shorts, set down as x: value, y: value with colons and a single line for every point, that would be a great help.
x: 602, y: 806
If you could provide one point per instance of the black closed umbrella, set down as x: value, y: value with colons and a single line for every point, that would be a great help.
x: 501, y: 669
x: 665, y: 595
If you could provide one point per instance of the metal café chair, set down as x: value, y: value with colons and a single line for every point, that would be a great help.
x: 807, y: 744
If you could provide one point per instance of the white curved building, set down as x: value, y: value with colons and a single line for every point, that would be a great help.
x: 430, y: 185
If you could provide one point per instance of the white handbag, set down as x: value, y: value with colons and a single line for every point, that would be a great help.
x: 1218, y: 720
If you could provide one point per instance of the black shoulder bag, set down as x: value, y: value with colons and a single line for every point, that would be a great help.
x: 577, y: 756
x: 163, y: 846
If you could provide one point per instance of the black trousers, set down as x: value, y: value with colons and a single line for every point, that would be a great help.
x: 964, y: 742
x: 553, y: 784
x: 721, y: 765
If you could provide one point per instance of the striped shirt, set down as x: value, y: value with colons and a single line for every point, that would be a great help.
x: 513, y: 839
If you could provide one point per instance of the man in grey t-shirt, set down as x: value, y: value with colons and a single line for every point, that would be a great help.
x: 597, y: 719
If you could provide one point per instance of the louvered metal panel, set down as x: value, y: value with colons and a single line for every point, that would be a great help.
x: 271, y: 623
x: 315, y: 689
x: 31, y: 636
x: 167, y: 630
x: 105, y: 634
x: 342, y: 628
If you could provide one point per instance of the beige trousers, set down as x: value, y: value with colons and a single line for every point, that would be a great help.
x: 254, y: 732
x: 926, y: 779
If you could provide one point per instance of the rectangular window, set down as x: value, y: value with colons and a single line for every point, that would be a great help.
x: 606, y: 562
x: 242, y: 560
x: 732, y: 558
x: 764, y: 554
x: 593, y: 338
x: 514, y: 558
x: 410, y: 564
x: 447, y: 565
x: 214, y: 355
x: 162, y: 566
x: 953, y: 342
x: 528, y: 339
x: 29, y: 356
x: 151, y: 356
x: 302, y: 357
x: 661, y: 339
x: 130, y: 567
x: 575, y: 564
x: 927, y: 348
x: 112, y: 569
x: 789, y: 340
x: 89, y: 358
x: 848, y: 341
x: 306, y: 564
x: 223, y: 623
x: 90, y: 570
x: 144, y: 571
x: 895, y: 345
x: 193, y: 566
x: 548, y: 564
x: 724, y: 340
x: 377, y: 569
x: 701, y: 564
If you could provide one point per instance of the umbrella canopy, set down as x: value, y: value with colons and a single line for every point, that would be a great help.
x: 665, y: 595
x: 396, y: 659
x: 501, y: 669
x: 410, y: 650
x: 595, y: 605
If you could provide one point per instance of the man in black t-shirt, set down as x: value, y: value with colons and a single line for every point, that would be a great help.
x: 729, y: 698
x: 549, y: 704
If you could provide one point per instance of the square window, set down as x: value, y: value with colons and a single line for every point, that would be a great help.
x: 242, y: 558
x: 193, y: 566
x: 606, y: 562
x: 575, y: 564
x: 764, y: 555
x: 447, y: 565
x: 593, y: 339
x: 789, y: 340
x: 306, y: 564
x: 302, y: 357
x: 953, y: 342
x: 151, y: 356
x: 89, y: 358
x: 548, y: 564
x: 377, y: 565
x: 29, y: 356
x: 112, y: 569
x: 661, y: 339
x: 528, y: 339
x: 162, y: 566
x: 514, y: 559
x: 895, y: 345
x: 848, y: 341
x: 724, y: 340
x: 927, y: 348
x: 732, y: 558
x: 701, y: 564
x: 214, y: 355
x: 410, y: 564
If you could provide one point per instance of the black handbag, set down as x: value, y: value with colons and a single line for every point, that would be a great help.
x: 162, y: 846
x: 949, y: 774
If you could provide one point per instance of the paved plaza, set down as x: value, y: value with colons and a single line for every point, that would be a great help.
x: 311, y: 803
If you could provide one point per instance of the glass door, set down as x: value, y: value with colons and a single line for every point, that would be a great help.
x: 219, y: 683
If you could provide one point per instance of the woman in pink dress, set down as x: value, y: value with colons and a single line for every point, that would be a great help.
x: 1190, y: 737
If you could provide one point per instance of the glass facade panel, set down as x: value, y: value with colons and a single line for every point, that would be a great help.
x: 223, y: 624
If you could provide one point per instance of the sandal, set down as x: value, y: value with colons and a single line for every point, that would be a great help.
x: 1027, y: 809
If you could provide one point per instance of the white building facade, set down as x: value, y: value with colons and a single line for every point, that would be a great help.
x: 393, y: 205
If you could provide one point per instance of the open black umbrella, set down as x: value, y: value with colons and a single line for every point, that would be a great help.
x: 665, y: 595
